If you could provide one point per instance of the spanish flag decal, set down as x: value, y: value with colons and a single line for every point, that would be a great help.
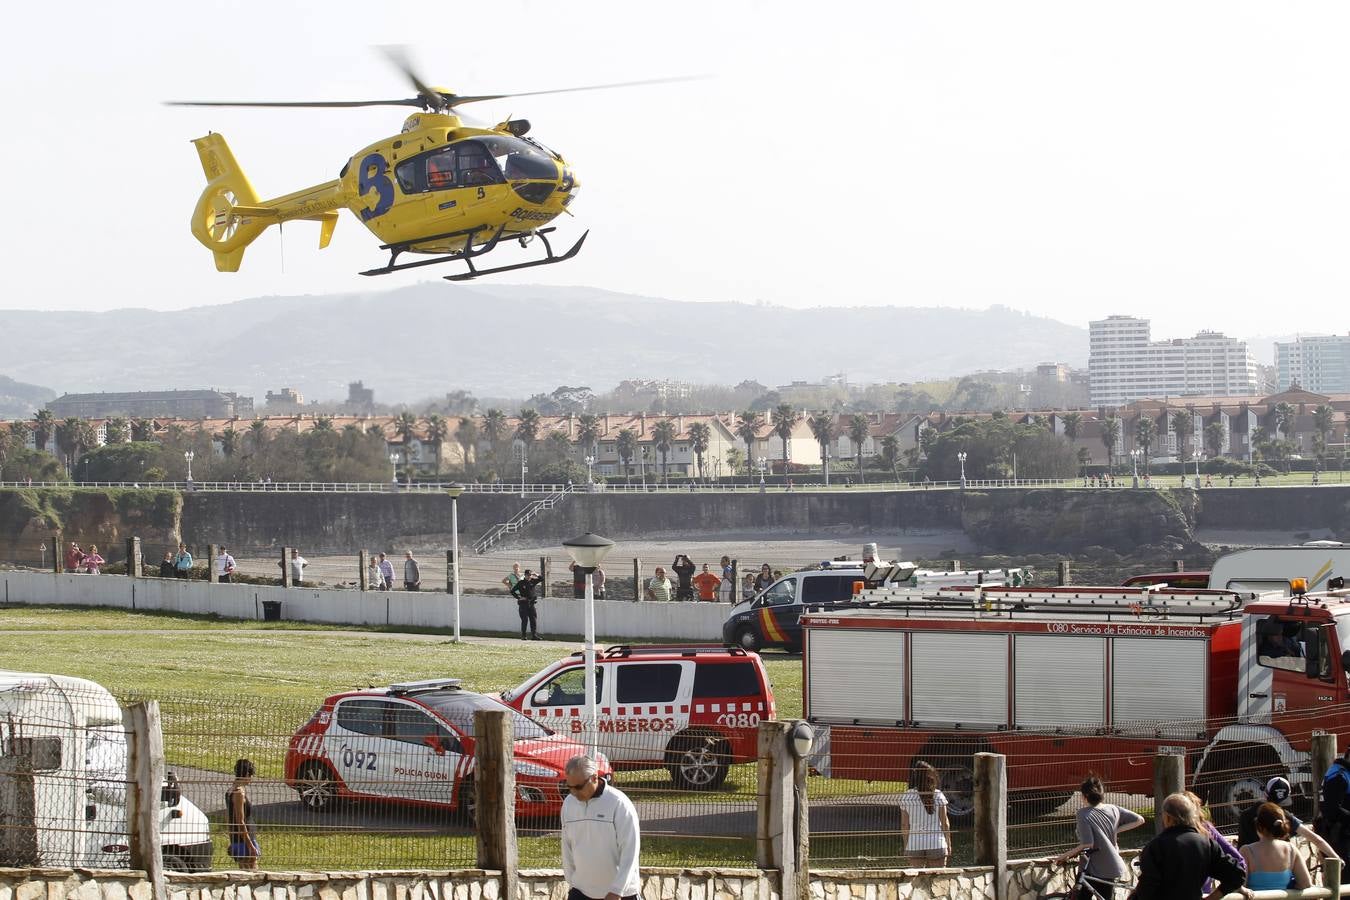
x: 772, y: 633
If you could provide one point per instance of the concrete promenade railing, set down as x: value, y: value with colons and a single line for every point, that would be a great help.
x: 557, y: 617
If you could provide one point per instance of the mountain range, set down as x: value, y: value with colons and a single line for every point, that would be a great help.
x: 512, y: 340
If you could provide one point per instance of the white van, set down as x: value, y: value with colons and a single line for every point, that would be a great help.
x: 63, y: 781
x: 1270, y: 568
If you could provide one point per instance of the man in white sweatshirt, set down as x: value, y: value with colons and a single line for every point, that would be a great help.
x: 600, y: 839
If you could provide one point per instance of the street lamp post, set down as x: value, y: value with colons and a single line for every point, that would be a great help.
x: 961, y: 458
x: 454, y: 491
x: 1197, y: 471
x: 590, y: 480
x: 1134, y: 466
x: 524, y: 466
x: 588, y: 551
x: 642, y: 467
x: 827, y: 465
x: 189, y: 456
x: 762, y: 464
x: 393, y: 464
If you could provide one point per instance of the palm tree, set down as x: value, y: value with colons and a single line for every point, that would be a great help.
x: 822, y: 427
x: 858, y: 430
x: 528, y: 427
x: 19, y: 433
x: 67, y: 434
x: 494, y: 427
x: 1214, y: 437
x: 323, y: 423
x: 466, y: 435
x: 588, y: 432
x: 1110, y: 437
x: 142, y: 430
x: 115, y: 430
x: 663, y: 433
x: 1284, y: 417
x: 626, y: 444
x: 700, y: 436
x: 1073, y: 423
x: 44, y: 425
x: 1145, y: 431
x: 257, y: 434
x: 1323, y: 420
x: 748, y: 424
x: 784, y: 418
x: 405, y: 426
x: 1183, y: 423
x: 890, y: 454
x: 437, y: 432
x: 229, y: 441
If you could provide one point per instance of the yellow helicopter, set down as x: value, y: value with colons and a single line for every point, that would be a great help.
x: 438, y: 187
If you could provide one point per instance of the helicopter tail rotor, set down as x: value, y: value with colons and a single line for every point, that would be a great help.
x: 219, y: 221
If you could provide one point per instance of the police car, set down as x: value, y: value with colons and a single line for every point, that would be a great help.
x: 413, y: 743
x: 692, y: 709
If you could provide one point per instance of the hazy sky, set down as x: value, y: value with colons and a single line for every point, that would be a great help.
x: 1184, y: 161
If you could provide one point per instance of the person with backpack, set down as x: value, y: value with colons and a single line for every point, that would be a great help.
x: 1333, y: 817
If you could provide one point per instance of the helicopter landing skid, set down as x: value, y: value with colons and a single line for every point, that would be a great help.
x: 546, y: 261
x: 468, y: 254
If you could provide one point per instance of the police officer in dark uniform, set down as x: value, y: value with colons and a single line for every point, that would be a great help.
x: 526, y: 592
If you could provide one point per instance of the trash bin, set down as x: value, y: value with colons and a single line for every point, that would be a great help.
x: 271, y: 610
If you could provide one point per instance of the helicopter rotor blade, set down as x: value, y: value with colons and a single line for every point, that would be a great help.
x: 299, y: 104
x: 397, y: 55
x: 453, y: 100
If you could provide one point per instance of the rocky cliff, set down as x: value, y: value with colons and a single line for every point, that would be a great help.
x: 107, y: 517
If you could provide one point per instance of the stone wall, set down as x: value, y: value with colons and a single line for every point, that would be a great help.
x: 1026, y: 880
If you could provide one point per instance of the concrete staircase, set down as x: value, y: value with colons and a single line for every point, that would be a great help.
x: 518, y: 522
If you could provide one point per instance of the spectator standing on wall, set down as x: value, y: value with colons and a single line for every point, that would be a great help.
x: 412, y: 572
x: 764, y: 578
x: 92, y: 561
x: 386, y: 573
x: 74, y: 555
x: 707, y: 584
x: 683, y: 567
x: 598, y: 583
x: 182, y: 563
x: 659, y: 588
x: 224, y: 566
x: 166, y: 569
x: 728, y: 580
x: 372, y: 571
x: 1098, y: 825
x: 600, y: 837
x: 748, y: 586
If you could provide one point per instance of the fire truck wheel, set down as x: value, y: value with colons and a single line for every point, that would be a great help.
x: 698, y: 762
x: 318, y: 787
x: 1235, y: 776
x: 747, y: 639
x: 1028, y: 806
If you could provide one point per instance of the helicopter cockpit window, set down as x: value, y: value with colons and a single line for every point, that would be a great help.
x: 520, y: 159
x: 441, y: 170
x: 476, y: 165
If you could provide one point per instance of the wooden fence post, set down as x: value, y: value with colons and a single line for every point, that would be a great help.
x: 212, y: 552
x: 991, y: 822
x: 775, y: 844
x: 637, y: 579
x: 543, y: 573
x: 135, y: 561
x: 363, y: 573
x: 58, y: 564
x: 1331, y: 874
x: 953, y: 565
x: 1323, y: 755
x: 495, y: 783
x: 735, y: 580
x: 1178, y: 565
x: 1169, y: 777
x: 145, y: 777
x: 1064, y: 574
x: 285, y: 567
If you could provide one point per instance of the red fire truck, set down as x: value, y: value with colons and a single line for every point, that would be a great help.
x: 1066, y: 680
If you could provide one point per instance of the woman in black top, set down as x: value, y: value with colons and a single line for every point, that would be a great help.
x: 243, y: 833
x: 166, y: 569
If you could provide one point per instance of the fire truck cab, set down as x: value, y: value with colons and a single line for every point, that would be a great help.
x: 1067, y: 680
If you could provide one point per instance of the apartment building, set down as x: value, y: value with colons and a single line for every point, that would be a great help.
x: 1318, y: 363
x: 1124, y: 364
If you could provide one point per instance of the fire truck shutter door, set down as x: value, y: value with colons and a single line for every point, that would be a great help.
x: 1061, y: 681
x: 1159, y: 680
x: 857, y: 675
x: 960, y: 679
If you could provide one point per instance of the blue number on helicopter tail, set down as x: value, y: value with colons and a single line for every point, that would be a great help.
x: 374, y: 174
